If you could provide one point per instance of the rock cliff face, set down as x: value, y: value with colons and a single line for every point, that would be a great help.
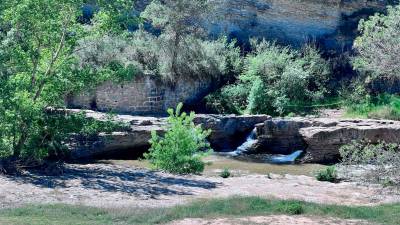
x: 332, y: 23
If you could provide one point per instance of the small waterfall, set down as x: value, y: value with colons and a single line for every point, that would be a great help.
x: 268, y: 158
x: 250, y: 140
x: 286, y: 159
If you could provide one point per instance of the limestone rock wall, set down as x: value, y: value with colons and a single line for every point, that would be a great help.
x: 332, y: 23
x: 143, y: 95
x: 226, y: 131
x: 321, y: 138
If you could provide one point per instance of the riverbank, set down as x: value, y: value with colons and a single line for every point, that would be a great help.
x: 112, y: 186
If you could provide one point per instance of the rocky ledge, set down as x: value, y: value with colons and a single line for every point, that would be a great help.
x: 228, y: 131
x: 321, y: 138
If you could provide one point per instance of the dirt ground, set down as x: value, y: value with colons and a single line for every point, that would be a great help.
x: 112, y: 186
x: 271, y: 220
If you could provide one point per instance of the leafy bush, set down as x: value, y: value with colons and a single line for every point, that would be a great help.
x: 123, y: 57
x: 53, y: 132
x: 225, y: 173
x: 378, y: 45
x: 181, y: 46
x: 379, y: 161
x: 383, y: 106
x: 170, y: 47
x: 278, y: 80
x: 291, y: 208
x: 182, y: 147
x: 229, y: 99
x: 329, y: 174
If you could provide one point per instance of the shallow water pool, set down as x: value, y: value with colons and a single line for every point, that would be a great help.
x: 239, y: 166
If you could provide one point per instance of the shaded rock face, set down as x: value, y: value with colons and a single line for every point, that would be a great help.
x: 227, y: 133
x: 321, y: 138
x: 390, y: 85
x: 332, y: 23
x: 143, y: 95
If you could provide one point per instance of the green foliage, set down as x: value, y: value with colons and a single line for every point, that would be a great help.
x: 258, y: 99
x: 38, y: 68
x: 377, y: 59
x: 329, y: 174
x: 378, y: 45
x: 283, y: 78
x: 225, y: 173
x: 114, y: 17
x: 182, y: 147
x: 122, y: 58
x: 380, y: 161
x: 363, y: 105
x: 180, y: 39
x: 56, y: 128
x: 229, y: 99
x: 108, y: 58
x: 278, y: 80
x: 206, y: 209
x: 291, y: 207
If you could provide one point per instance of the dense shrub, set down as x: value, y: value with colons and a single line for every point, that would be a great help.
x: 225, y: 173
x: 182, y: 147
x: 291, y: 208
x: 378, y: 45
x: 229, y: 99
x: 377, y: 63
x: 142, y: 53
x: 182, y: 48
x: 379, y: 161
x: 278, y: 80
x: 117, y: 57
x: 329, y: 174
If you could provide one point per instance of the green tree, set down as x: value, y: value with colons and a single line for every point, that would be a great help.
x: 37, y: 50
x: 182, y: 147
x: 180, y: 50
x: 114, y: 17
x: 379, y: 44
x: 180, y: 23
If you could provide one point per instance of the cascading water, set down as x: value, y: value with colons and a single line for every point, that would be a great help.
x: 250, y: 140
x: 271, y: 158
x: 286, y: 159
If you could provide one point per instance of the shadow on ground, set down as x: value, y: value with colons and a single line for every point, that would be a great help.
x: 107, y: 178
